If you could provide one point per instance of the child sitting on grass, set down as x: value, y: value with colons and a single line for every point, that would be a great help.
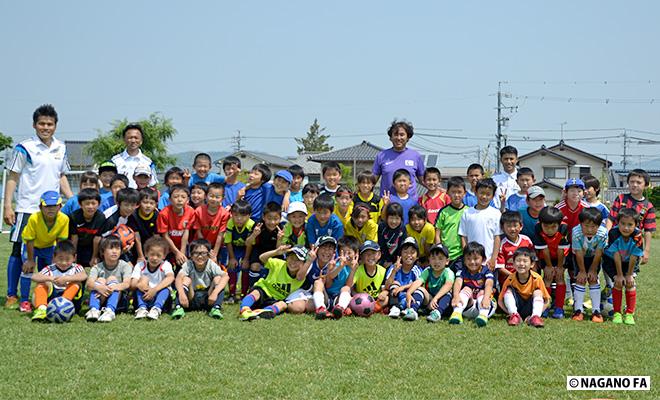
x: 151, y: 280
x: 401, y: 275
x: 327, y: 288
x: 368, y: 277
x: 433, y: 288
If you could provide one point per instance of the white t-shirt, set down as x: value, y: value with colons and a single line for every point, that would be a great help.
x: 55, y: 272
x: 481, y: 226
x: 40, y: 168
x: 506, y: 183
x: 156, y: 276
x: 126, y: 165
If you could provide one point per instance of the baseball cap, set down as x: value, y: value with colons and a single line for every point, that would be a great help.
x: 107, y: 166
x: 369, y: 245
x: 410, y: 241
x: 535, y: 191
x: 51, y: 198
x: 286, y: 175
x: 441, y: 248
x: 142, y: 170
x: 297, y: 206
x: 325, y: 240
x: 574, y: 182
x: 300, y: 252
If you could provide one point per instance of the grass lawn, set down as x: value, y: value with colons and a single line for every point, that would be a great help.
x: 299, y: 357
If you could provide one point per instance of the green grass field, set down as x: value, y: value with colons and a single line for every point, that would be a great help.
x: 299, y: 357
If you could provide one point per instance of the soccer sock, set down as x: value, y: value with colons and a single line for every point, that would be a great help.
x: 510, y: 302
x: 631, y: 300
x: 344, y: 299
x: 417, y: 300
x: 161, y: 298
x: 112, y: 301
x: 219, y: 300
x: 403, y: 304
x: 233, y: 277
x: 248, y: 301
x: 253, y: 277
x: 177, y: 302
x: 245, y: 282
x: 40, y: 295
x: 26, y: 281
x: 140, y: 299
x: 275, y: 309
x: 617, y: 297
x: 464, y: 301
x: 319, y: 299
x: 13, y: 275
x: 482, y: 311
x: 537, y: 305
x: 579, y: 297
x: 71, y: 291
x: 594, y: 293
x: 94, y: 300
x: 443, y: 303
x: 560, y: 295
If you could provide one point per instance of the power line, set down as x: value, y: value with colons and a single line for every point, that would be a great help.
x: 592, y: 100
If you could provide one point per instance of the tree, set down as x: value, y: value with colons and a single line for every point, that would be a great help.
x: 158, y: 130
x: 315, y: 140
x: 5, y: 143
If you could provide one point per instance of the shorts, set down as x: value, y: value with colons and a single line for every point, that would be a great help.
x: 43, y: 257
x: 524, y: 306
x: 16, y: 233
x: 299, y: 294
x: 541, y: 262
x: 610, y: 268
x: 587, y: 265
x: 264, y: 299
x: 84, y: 256
x: 456, y: 264
x: 239, y: 253
x: 200, y: 300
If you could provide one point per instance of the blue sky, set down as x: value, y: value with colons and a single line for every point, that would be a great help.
x: 270, y: 68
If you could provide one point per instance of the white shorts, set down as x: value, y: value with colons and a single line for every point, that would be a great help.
x: 300, y: 294
x: 473, y: 311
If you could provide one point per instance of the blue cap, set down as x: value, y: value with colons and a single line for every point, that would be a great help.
x: 286, y: 175
x: 50, y: 198
x: 574, y: 182
x: 369, y: 245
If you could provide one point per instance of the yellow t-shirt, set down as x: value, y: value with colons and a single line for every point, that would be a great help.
x: 43, y: 236
x: 369, y: 231
x: 363, y: 283
x: 345, y: 219
x: 424, y: 238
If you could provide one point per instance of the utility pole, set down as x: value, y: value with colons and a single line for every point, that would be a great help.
x: 562, y: 130
x: 625, y: 149
x: 501, y: 121
x: 236, y: 141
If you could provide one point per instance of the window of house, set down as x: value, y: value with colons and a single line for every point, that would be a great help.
x: 431, y: 160
x: 585, y: 171
x: 554, y: 172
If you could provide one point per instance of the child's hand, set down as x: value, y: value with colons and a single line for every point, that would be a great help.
x: 245, y: 264
x: 240, y: 194
x: 280, y: 233
x: 397, y: 290
x: 311, y: 254
x: 212, y: 298
x: 183, y: 299
x: 102, y: 289
x: 491, y: 263
x: 485, y: 303
x: 581, y: 277
x: 232, y: 263
x: 433, y: 304
x: 455, y: 301
x: 619, y: 280
x: 397, y: 264
x: 60, y: 281
x: 186, y: 174
x: 94, y: 261
x: 386, y: 198
x: 150, y: 294
x: 645, y: 257
x: 180, y: 258
x: 630, y: 281
x: 283, y: 249
x: 257, y: 229
x: 28, y: 266
x: 382, y: 297
x: 503, y: 196
x: 354, y: 262
x: 592, y: 276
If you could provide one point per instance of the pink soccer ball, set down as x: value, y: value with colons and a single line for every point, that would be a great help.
x: 362, y: 305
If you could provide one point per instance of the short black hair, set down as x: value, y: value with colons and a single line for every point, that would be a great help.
x: 591, y: 181
x: 156, y: 241
x: 487, y: 183
x: 525, y: 252
x: 265, y: 172
x: 358, y: 208
x: 200, y: 185
x: 241, y: 207
x: 417, y: 211
x: 89, y: 194
x: 215, y: 186
x: 343, y: 189
x: 199, y: 156
x: 432, y: 170
x: 508, y: 150
x: 109, y: 242
x: 475, y: 166
x: 132, y: 125
x: 474, y: 248
x: 128, y: 195
x: 330, y: 165
x: 89, y: 177
x: 272, y: 207
x: 526, y: 171
x: 641, y: 173
x: 229, y: 161
x: 394, y: 209
x: 296, y: 170
x: 173, y: 171
x: 311, y: 188
x: 399, y: 173
x: 455, y: 181
x: 349, y: 242
x: 119, y: 177
x: 148, y: 194
x: 550, y: 215
x: 180, y: 187
x: 44, y: 110
x: 627, y: 212
x: 199, y: 243
x: 324, y: 202
x: 394, y: 127
x: 591, y: 214
x: 65, y: 247
x: 509, y: 216
x: 367, y: 176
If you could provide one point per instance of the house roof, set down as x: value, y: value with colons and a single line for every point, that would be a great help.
x: 654, y: 173
x: 310, y: 167
x: 546, y: 151
x: 78, y: 157
x: 364, y: 151
x: 264, y: 158
x: 547, y: 183
x: 554, y: 150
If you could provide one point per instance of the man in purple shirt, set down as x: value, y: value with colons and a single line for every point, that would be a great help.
x: 398, y: 157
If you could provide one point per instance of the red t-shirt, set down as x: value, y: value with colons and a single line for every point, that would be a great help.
x: 175, y: 225
x: 571, y: 217
x: 211, y: 225
x: 643, y: 207
x: 433, y: 205
x: 507, y: 248
x: 555, y: 243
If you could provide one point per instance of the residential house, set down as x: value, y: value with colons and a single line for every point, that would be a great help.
x: 250, y: 158
x: 358, y: 157
x: 312, y: 169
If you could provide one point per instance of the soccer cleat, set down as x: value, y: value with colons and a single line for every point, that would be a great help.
x: 321, y: 313
x: 11, y: 303
x: 395, y: 312
x: 154, y: 313
x: 230, y: 300
x: 558, y: 313
x: 514, y: 319
x: 141, y: 313
x: 265, y: 314
x: 629, y: 319
x: 338, y: 312
x: 247, y: 314
x: 617, y: 318
x: 178, y: 312
x: 456, y: 318
x: 215, y: 313
x: 107, y: 316
x: 25, y: 307
x: 410, y: 315
x: 535, y: 321
x: 545, y: 313
x: 577, y: 316
x: 596, y: 317
x: 481, y: 320
x: 39, y: 314
x: 434, y: 316
x: 92, y: 315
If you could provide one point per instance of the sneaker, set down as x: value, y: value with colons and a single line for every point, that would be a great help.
x: 154, y: 313
x: 265, y: 314
x: 178, y: 312
x: 11, y: 303
x: 434, y: 316
x: 92, y: 315
x: 230, y: 300
x: 617, y: 318
x: 481, y: 320
x: 395, y: 312
x: 247, y: 314
x: 321, y: 313
x: 535, y: 321
x: 338, y: 312
x: 596, y: 317
x: 410, y: 315
x: 107, y: 316
x: 629, y: 319
x: 545, y: 313
x: 577, y: 315
x: 515, y: 319
x: 25, y: 307
x: 456, y: 318
x: 141, y: 313
x: 558, y: 313
x: 39, y: 314
x: 216, y: 313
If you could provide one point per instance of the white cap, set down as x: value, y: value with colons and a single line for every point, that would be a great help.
x: 297, y: 206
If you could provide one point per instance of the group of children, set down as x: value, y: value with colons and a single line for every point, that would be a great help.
x: 452, y: 253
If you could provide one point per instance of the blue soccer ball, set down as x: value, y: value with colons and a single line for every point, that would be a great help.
x: 60, y: 310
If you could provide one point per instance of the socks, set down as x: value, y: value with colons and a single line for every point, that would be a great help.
x: 594, y: 293
x: 248, y: 301
x: 233, y: 278
x: 344, y: 299
x: 26, y: 282
x: 319, y: 299
x: 482, y: 311
x: 579, y: 297
x: 560, y: 295
x: 464, y: 301
x: 71, y: 291
x: 631, y: 300
x: 94, y: 300
x: 273, y: 308
x: 417, y: 300
x: 510, y: 302
x: 245, y: 282
x: 443, y: 303
x: 40, y: 295
x: 617, y: 298
x: 403, y: 304
x: 13, y: 275
x: 537, y: 305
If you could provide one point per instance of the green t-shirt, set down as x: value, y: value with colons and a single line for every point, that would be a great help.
x: 278, y: 284
x: 369, y: 284
x: 202, y: 279
x: 121, y: 271
x: 291, y: 238
x: 448, y: 220
x: 433, y: 284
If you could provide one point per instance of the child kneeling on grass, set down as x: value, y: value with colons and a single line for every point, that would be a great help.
x: 282, y: 280
x: 62, y: 278
x: 524, y: 295
x: 433, y: 289
x: 200, y: 284
x: 109, y: 282
x: 473, y: 288
x: 152, y: 279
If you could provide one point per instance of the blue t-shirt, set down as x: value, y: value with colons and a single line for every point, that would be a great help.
x: 71, y: 205
x: 271, y: 196
x: 339, y: 282
x: 470, y: 200
x: 107, y: 203
x: 231, y: 193
x: 603, y: 211
x: 164, y: 200
x: 105, y: 193
x: 403, y: 277
x: 257, y: 199
x: 475, y: 280
x: 211, y: 177
x: 314, y: 230
x: 516, y: 201
x: 588, y: 246
x: 312, y: 275
x: 528, y: 222
x: 405, y: 203
x: 295, y: 196
x: 633, y: 246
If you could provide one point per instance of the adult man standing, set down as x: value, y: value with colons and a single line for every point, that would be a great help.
x: 506, y: 179
x: 127, y: 160
x: 37, y: 165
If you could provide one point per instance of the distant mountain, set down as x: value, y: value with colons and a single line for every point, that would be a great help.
x: 186, y: 158
x: 653, y: 163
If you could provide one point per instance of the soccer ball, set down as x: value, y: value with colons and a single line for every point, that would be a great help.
x: 60, y: 310
x: 362, y: 305
x: 125, y: 234
x: 606, y: 308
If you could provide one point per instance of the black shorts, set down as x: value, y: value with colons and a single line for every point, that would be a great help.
x: 456, y: 264
x: 610, y: 268
x: 264, y: 299
x: 200, y: 300
x: 541, y: 262
x: 524, y: 306
x: 587, y: 265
